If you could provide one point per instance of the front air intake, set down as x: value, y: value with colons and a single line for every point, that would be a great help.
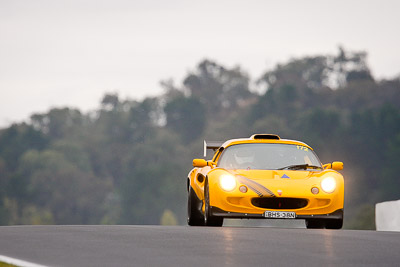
x: 279, y: 203
x: 265, y: 136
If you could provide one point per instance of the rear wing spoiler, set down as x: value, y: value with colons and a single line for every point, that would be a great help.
x: 214, y: 145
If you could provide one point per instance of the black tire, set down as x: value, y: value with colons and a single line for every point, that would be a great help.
x: 210, y: 220
x: 315, y: 224
x: 334, y: 224
x: 194, y: 216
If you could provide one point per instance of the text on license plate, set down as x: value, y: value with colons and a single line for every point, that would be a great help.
x: 279, y: 214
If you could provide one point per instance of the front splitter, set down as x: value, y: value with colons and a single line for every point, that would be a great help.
x: 338, y: 214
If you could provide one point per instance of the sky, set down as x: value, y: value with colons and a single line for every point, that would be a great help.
x: 72, y: 52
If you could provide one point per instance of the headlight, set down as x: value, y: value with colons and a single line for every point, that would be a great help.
x: 227, y: 182
x: 328, y: 184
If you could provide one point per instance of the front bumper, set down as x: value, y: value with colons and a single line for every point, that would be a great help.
x: 338, y: 214
x: 296, y: 196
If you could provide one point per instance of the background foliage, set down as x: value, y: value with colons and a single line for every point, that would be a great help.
x: 127, y: 161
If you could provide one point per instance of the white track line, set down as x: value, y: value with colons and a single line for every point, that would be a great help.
x: 18, y: 262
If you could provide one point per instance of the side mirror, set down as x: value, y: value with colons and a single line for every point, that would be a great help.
x: 336, y: 165
x: 201, y: 163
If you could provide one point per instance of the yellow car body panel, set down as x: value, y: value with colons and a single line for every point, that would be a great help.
x: 259, y: 190
x: 299, y: 185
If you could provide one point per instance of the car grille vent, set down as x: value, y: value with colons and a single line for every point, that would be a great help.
x: 265, y: 136
x: 279, y: 203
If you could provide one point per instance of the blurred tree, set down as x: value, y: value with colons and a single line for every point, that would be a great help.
x: 17, y: 139
x: 186, y: 116
x: 168, y: 218
x: 364, y: 219
x: 389, y: 181
x: 144, y: 117
x: 217, y: 87
x: 154, y: 180
x: 58, y: 123
x: 110, y: 101
x: 349, y: 66
x: 4, y: 212
x: 55, y: 184
x: 320, y: 124
x: 303, y: 73
x: 32, y: 215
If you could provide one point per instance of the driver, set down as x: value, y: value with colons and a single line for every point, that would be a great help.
x: 244, y: 157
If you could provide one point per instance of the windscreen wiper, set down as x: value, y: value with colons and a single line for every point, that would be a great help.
x: 300, y: 167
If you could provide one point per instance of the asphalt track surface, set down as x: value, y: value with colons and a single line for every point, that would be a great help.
x: 197, y: 246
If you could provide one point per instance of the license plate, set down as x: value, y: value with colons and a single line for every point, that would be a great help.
x: 279, y: 214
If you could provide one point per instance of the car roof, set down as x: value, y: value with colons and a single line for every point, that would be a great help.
x: 263, y: 138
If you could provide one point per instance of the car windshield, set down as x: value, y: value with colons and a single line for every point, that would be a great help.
x: 264, y: 156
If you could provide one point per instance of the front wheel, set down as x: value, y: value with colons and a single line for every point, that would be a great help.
x: 194, y: 216
x: 315, y: 224
x: 210, y: 220
x: 334, y: 224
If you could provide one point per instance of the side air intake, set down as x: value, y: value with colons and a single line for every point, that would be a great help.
x: 265, y: 136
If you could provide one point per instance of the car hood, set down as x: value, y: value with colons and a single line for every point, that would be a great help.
x: 275, y: 174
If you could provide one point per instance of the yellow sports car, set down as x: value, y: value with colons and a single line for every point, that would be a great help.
x: 265, y: 177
